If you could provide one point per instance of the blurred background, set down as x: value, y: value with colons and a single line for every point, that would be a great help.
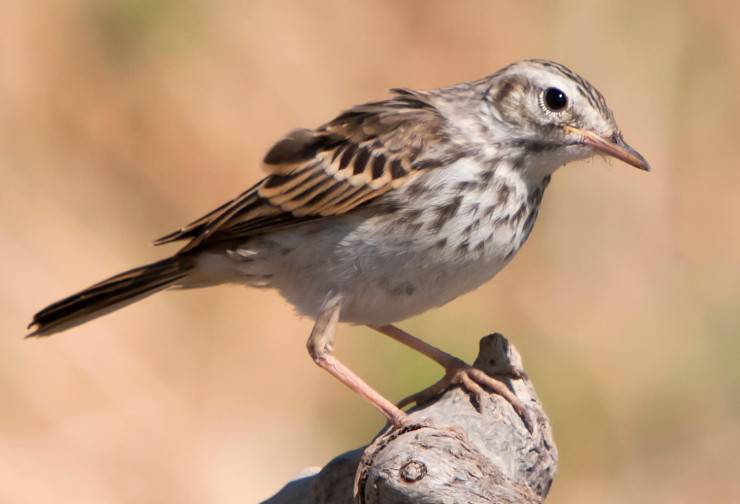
x: 121, y: 120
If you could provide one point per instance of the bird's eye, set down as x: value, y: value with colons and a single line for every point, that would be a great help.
x: 555, y: 99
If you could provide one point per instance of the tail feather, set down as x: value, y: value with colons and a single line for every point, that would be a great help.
x: 109, y: 295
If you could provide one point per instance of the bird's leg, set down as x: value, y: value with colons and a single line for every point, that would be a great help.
x: 457, y: 372
x: 320, y: 348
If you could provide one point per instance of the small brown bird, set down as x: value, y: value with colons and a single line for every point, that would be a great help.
x: 390, y: 209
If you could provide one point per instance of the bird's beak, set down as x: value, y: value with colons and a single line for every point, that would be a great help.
x: 617, y: 148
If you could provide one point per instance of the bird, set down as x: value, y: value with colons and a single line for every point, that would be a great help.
x: 392, y: 208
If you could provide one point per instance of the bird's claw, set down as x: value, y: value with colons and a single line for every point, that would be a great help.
x: 475, y: 382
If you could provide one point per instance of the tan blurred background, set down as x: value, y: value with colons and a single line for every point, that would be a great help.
x: 120, y: 120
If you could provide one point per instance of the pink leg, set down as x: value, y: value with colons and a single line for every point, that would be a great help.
x: 457, y: 372
x: 320, y: 346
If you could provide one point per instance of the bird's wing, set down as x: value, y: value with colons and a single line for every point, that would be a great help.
x: 361, y: 154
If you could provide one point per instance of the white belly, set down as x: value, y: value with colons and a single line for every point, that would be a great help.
x: 402, y: 258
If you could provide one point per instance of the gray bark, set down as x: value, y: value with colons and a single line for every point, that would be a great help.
x: 450, y: 453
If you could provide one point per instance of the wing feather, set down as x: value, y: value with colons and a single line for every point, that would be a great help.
x: 360, y: 155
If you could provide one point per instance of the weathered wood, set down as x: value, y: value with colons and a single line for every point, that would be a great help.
x: 450, y: 453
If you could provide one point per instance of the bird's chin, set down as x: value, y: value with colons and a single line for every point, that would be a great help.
x: 579, y: 151
x: 584, y: 152
x: 547, y: 162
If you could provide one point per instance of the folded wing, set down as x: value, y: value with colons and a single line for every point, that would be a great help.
x: 355, y: 158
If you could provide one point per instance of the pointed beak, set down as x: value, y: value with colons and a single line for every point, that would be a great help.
x: 615, y: 147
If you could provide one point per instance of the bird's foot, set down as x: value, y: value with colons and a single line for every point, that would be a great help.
x: 475, y: 382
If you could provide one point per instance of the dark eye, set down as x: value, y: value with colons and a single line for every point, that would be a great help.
x: 555, y: 99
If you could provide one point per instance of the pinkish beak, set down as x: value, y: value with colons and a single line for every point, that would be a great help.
x: 616, y: 149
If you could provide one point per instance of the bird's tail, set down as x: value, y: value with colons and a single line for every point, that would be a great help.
x: 110, y: 295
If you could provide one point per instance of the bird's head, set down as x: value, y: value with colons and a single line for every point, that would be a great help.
x: 544, y: 110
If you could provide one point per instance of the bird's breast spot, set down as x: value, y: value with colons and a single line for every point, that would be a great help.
x: 405, y: 289
x: 396, y: 290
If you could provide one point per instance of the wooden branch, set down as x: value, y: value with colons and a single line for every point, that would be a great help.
x: 450, y: 453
